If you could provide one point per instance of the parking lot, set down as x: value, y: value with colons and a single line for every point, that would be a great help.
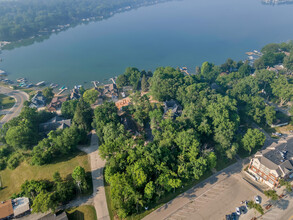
x: 221, y: 199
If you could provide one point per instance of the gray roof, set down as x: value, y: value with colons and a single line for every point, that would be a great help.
x: 55, y: 123
x: 278, y: 157
x: 20, y: 205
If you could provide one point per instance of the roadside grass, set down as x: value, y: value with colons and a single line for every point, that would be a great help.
x: 13, y: 179
x: 6, y: 102
x: 85, y: 212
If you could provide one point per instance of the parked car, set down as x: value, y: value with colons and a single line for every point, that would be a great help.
x: 234, y: 216
x: 257, y: 199
x: 238, y: 211
x: 228, y: 217
x: 246, y: 204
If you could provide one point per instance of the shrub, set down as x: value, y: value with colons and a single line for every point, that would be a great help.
x: 14, y: 160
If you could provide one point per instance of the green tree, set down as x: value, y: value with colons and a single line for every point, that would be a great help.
x: 252, y: 139
x: 48, y: 93
x: 44, y: 202
x: 68, y: 108
x: 83, y: 116
x: 149, y: 190
x: 270, y: 114
x: 90, y: 96
x: 272, y: 194
x: 144, y: 83
x: 79, y: 177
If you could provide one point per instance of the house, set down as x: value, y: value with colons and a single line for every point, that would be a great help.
x: 56, y: 103
x: 122, y: 103
x: 6, y: 210
x: 21, y: 206
x: 173, y: 108
x: 54, y: 124
x: 38, y: 101
x: 110, y: 91
x: 74, y: 95
x: 273, y: 163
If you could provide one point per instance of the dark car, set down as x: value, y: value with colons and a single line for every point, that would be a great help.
x: 234, y: 216
x: 228, y: 217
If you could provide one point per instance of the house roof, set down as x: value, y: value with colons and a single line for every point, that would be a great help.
x: 55, y: 123
x: 278, y: 157
x: 6, y: 209
x: 20, y: 205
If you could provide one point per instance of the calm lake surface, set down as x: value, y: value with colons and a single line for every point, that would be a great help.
x: 178, y: 33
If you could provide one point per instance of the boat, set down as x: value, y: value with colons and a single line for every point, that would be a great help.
x: 63, y: 87
x: 42, y: 83
x: 21, y: 80
x: 53, y: 85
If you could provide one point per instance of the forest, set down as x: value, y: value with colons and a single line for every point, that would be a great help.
x: 24, y: 19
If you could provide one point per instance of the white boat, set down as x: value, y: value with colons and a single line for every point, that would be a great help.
x: 42, y: 83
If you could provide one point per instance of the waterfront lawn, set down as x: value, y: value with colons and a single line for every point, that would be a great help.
x: 85, y: 212
x: 6, y: 102
x: 12, y: 179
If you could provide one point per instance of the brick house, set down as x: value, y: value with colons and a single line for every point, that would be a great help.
x: 273, y: 163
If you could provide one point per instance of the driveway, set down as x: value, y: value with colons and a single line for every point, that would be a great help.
x: 97, y: 167
x: 20, y: 97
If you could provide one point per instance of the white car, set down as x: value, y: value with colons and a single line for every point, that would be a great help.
x: 257, y: 199
x: 238, y: 211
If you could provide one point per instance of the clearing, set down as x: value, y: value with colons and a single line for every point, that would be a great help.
x: 13, y: 179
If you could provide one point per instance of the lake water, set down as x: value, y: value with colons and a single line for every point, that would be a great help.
x: 178, y: 33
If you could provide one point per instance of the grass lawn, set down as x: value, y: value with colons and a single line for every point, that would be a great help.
x: 12, y: 179
x: 85, y: 212
x: 6, y: 101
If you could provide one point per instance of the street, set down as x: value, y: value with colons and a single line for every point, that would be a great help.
x: 20, y: 97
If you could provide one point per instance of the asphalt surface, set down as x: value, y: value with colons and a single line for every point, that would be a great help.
x: 97, y: 167
x: 20, y: 97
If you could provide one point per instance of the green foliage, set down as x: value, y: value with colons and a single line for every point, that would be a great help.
x: 287, y: 184
x: 48, y: 93
x: 68, y: 108
x: 270, y: 114
x: 252, y: 139
x: 79, y: 177
x: 44, y: 202
x: 14, y: 160
x: 57, y: 144
x: 104, y: 114
x: 257, y: 207
x: 131, y: 77
x: 272, y: 194
x: 165, y: 83
x: 144, y: 83
x: 90, y: 96
x: 83, y: 116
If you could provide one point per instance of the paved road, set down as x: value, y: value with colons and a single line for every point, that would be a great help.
x: 20, y: 97
x: 97, y: 167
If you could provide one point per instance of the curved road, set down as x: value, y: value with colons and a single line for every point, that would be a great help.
x: 19, y: 96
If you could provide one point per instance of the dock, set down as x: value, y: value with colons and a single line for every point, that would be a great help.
x: 95, y: 83
x: 59, y: 93
x: 113, y: 80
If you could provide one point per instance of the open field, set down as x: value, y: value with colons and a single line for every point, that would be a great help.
x: 85, y: 212
x: 12, y: 179
x: 6, y: 102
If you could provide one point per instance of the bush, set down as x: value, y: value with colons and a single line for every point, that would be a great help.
x: 3, y: 161
x: 14, y: 161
